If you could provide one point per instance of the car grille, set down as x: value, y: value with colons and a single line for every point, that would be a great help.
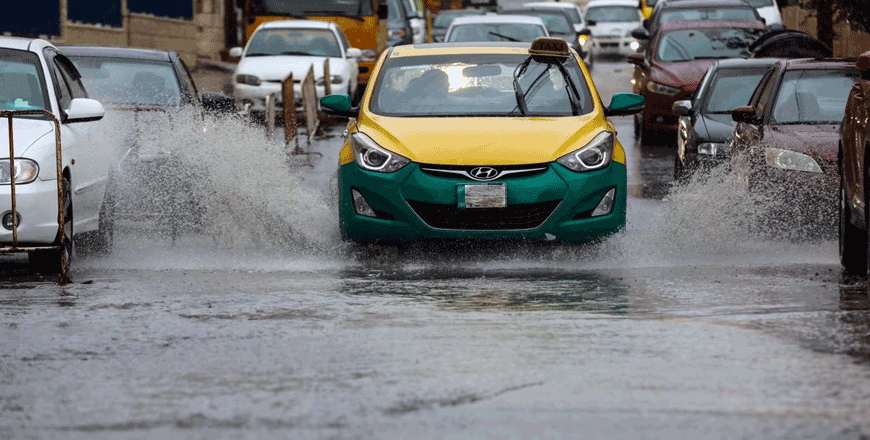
x: 513, y: 217
x: 504, y: 171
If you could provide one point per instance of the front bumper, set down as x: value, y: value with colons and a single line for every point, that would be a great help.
x: 256, y: 95
x: 796, y: 198
x: 657, y: 111
x: 612, y: 45
x: 411, y: 204
x: 37, y: 206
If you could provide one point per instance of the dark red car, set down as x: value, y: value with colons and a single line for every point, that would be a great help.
x: 854, y: 167
x: 674, y: 63
x: 784, y: 147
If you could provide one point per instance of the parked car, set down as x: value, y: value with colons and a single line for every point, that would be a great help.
x: 149, y: 91
x: 399, y: 27
x: 705, y: 123
x: 496, y: 28
x: 668, y: 11
x: 784, y: 145
x: 854, y: 163
x: 278, y: 48
x: 611, y: 23
x: 673, y: 64
x: 415, y: 12
x: 35, y: 76
x: 488, y: 103
x: 560, y: 25
x: 444, y: 18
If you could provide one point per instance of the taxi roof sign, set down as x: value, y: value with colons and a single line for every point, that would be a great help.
x: 550, y: 47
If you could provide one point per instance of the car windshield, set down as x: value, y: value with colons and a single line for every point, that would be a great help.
x: 129, y: 82
x: 443, y: 20
x: 479, y: 85
x: 22, y: 84
x: 556, y: 22
x: 608, y: 14
x: 732, y: 88
x: 296, y: 41
x: 813, y: 96
x: 708, y: 14
x: 691, y: 44
x: 496, y: 32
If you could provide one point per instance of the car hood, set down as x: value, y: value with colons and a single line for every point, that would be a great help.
x: 685, y: 74
x: 615, y: 29
x: 25, y: 133
x: 819, y: 141
x: 483, y: 141
x: 277, y: 68
x: 717, y: 127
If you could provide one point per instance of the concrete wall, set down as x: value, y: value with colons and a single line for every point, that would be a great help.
x: 847, y: 42
x: 199, y: 39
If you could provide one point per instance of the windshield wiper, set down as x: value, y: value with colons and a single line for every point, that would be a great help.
x: 518, y: 89
x: 299, y: 53
x: 258, y: 54
x: 503, y: 36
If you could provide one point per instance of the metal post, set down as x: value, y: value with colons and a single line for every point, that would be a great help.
x: 12, y: 187
x: 270, y: 114
x: 327, y: 78
x: 288, y: 95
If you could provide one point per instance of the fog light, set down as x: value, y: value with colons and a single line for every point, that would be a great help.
x: 360, y: 205
x: 605, y: 206
x: 7, y: 220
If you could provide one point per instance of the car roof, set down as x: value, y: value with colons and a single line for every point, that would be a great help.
x: 598, y: 3
x: 818, y: 63
x: 18, y: 42
x: 466, y: 48
x: 694, y: 4
x: 306, y: 24
x: 735, y: 63
x: 520, y: 19
x: 551, y: 5
x: 116, y: 52
x: 522, y: 9
x: 681, y: 25
x: 461, y: 12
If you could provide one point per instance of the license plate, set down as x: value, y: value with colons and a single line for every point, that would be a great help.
x: 482, y: 196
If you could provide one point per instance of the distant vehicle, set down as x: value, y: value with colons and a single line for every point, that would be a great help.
x: 854, y: 170
x: 442, y: 21
x: 149, y: 90
x: 785, y: 143
x: 279, y: 48
x: 416, y: 15
x: 668, y: 11
x: 35, y: 76
x: 364, y: 23
x: 560, y: 25
x: 399, y: 28
x: 673, y: 64
x: 496, y: 28
x: 768, y: 10
x: 471, y: 174
x: 571, y: 9
x: 705, y: 123
x: 611, y: 23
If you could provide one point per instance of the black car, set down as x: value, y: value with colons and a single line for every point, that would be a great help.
x: 560, y: 25
x: 444, y: 18
x: 705, y: 122
x: 146, y: 92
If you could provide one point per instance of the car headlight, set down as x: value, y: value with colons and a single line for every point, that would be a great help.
x: 593, y: 156
x: 334, y: 79
x: 371, y: 156
x: 583, y: 39
x: 250, y: 80
x: 711, y: 148
x: 661, y: 88
x: 634, y: 45
x: 791, y: 160
x: 25, y: 171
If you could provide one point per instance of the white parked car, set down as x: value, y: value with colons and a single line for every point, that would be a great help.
x: 34, y: 76
x: 768, y: 10
x: 473, y: 28
x: 611, y: 22
x: 570, y: 8
x: 278, y: 48
x: 417, y: 18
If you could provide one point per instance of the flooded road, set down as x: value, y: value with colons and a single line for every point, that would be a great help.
x: 690, y: 324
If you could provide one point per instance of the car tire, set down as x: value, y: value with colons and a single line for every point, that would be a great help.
x: 679, y: 169
x: 57, y: 261
x: 853, y: 240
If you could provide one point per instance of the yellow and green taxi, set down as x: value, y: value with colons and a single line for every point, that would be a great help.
x: 481, y: 141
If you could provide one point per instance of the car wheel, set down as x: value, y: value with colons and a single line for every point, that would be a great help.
x: 853, y: 240
x: 57, y: 261
x: 679, y: 169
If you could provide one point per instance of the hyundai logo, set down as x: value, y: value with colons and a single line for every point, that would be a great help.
x: 483, y: 173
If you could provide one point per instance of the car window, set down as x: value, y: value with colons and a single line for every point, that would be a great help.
x: 707, y: 14
x: 495, y: 32
x: 477, y: 85
x: 813, y: 96
x: 691, y: 44
x: 731, y: 88
x: 189, y: 84
x: 342, y: 39
x: 556, y: 23
x: 608, y: 14
x: 296, y: 41
x: 761, y: 3
x: 61, y: 88
x: 71, y: 76
x: 128, y: 81
x: 22, y: 83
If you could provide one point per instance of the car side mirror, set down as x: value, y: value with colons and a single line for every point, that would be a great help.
x: 585, y: 31
x: 383, y: 12
x: 235, y: 52
x: 84, y: 110
x: 745, y: 114
x: 682, y: 108
x: 640, y: 34
x: 353, y: 52
x: 217, y: 103
x: 623, y: 104
x: 338, y: 105
x: 636, y: 58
